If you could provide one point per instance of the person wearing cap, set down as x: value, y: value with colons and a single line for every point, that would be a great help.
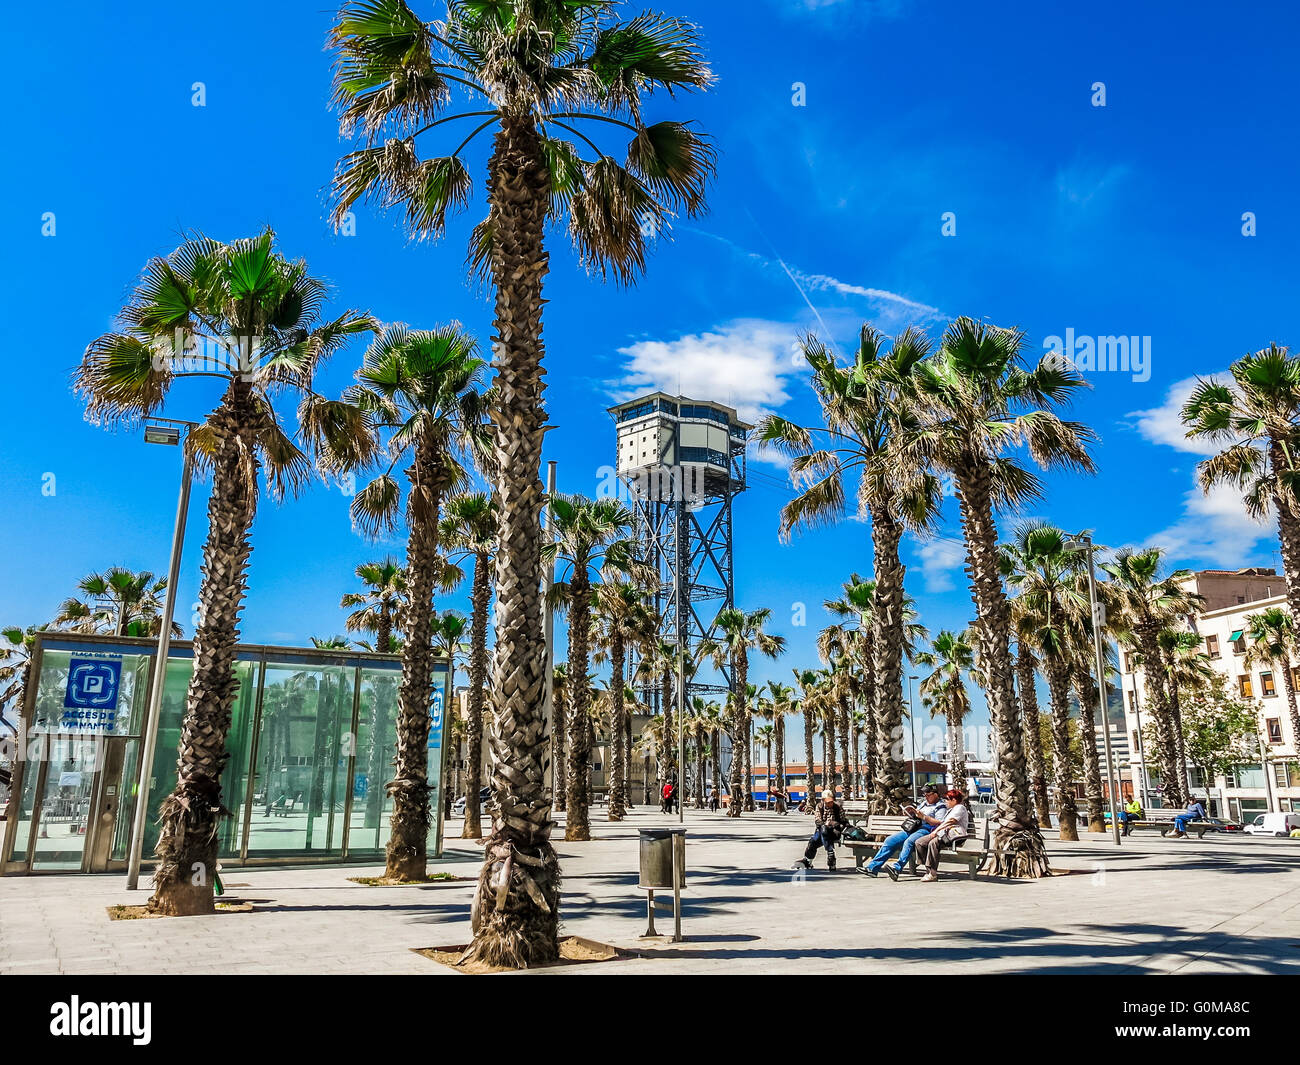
x: 831, y: 823
x: 931, y: 810
x: 954, y: 828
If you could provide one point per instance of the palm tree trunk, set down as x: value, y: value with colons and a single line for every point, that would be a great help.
x: 749, y: 762
x: 739, y: 731
x: 1290, y: 704
x: 856, y: 733
x: 1176, y: 726
x: 480, y: 597
x: 1033, y: 740
x: 518, y: 921
x: 891, y: 783
x: 957, y: 750
x: 808, y: 749
x: 1020, y: 849
x: 1158, y: 708
x: 627, y: 758
x: 780, y: 753
x: 617, y: 792
x: 560, y: 712
x: 698, y: 803
x: 1288, y: 529
x: 576, y: 825
x: 190, y: 815
x: 843, y: 725
x: 715, y: 751
x: 1086, y: 689
x: 1058, y: 688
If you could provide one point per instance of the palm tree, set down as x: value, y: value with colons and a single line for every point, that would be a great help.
x: 470, y: 528
x: 560, y: 711
x: 623, y: 620
x: 857, y: 603
x: 378, y: 608
x: 975, y: 400
x: 951, y: 657
x: 15, y: 670
x: 419, y: 389
x: 260, y: 314
x: 810, y: 705
x: 782, y: 702
x: 765, y: 734
x: 1272, y: 639
x: 865, y: 409
x: 590, y: 535
x: 1023, y: 626
x: 1257, y: 419
x: 1141, y: 601
x: 539, y: 66
x: 122, y: 602
x: 739, y: 633
x: 749, y: 708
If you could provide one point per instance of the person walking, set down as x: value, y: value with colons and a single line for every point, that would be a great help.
x: 831, y: 823
x: 954, y: 828
x: 1195, y: 812
x: 920, y: 821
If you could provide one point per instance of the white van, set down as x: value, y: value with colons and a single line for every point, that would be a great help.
x: 1273, y: 824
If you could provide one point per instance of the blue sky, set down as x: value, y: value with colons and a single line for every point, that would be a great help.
x: 1117, y: 220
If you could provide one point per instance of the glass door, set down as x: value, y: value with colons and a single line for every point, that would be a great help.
x: 64, y: 813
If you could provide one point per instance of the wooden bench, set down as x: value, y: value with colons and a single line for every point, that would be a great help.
x: 856, y: 810
x: 973, y: 851
x: 1163, y: 820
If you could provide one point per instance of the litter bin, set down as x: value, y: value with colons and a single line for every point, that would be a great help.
x: 657, y: 846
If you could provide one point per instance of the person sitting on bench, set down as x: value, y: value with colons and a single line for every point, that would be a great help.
x: 1195, y: 812
x: 930, y: 812
x: 954, y: 829
x: 1132, y: 812
x: 831, y: 823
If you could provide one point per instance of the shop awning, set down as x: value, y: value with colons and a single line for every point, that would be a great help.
x: 1235, y: 636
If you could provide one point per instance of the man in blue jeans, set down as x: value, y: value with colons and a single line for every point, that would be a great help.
x: 931, y: 811
x: 1195, y: 812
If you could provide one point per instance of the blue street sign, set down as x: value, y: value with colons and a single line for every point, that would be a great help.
x: 435, y: 720
x: 90, y: 701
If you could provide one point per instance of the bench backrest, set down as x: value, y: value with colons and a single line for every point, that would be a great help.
x: 857, y: 808
x: 1160, y: 815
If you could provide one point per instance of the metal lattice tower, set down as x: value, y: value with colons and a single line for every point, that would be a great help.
x: 682, y: 461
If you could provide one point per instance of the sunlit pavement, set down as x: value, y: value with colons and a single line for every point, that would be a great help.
x: 1152, y: 905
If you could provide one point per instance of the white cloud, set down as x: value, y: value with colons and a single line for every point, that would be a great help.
x: 1163, y: 424
x: 1214, y: 529
x: 940, y: 559
x: 746, y: 364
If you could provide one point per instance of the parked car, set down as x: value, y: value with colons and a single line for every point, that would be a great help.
x: 458, y: 807
x: 1273, y: 824
x: 1218, y: 824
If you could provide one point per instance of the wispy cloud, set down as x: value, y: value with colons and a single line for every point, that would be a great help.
x: 1214, y: 529
x: 1163, y: 424
x: 940, y: 560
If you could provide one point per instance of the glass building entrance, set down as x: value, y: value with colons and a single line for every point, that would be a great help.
x: 311, y: 743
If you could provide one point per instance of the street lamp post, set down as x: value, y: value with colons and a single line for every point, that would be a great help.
x: 1086, y: 541
x: 160, y: 431
x: 911, y: 721
x: 1142, y: 748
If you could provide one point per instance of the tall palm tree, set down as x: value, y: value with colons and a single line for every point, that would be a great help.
x: 120, y: 600
x: 470, y: 528
x: 259, y: 314
x: 750, y: 708
x: 857, y: 604
x: 865, y: 409
x: 951, y: 658
x: 1272, y: 639
x: 623, y: 620
x: 1023, y: 623
x: 1256, y: 417
x: 378, y: 607
x: 589, y: 536
x: 739, y: 633
x: 976, y: 400
x: 539, y: 67
x: 782, y: 703
x: 810, y: 698
x: 765, y: 734
x: 1141, y: 601
x: 16, y: 645
x: 420, y: 390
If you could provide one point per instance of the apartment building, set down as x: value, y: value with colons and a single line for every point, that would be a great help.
x: 1271, y: 782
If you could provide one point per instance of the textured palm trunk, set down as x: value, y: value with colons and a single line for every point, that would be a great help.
x: 715, y: 755
x: 1033, y: 740
x: 1166, y: 747
x: 576, y: 825
x: 1176, y: 727
x: 190, y: 816
x: 1288, y: 529
x: 698, y: 802
x: 409, y: 788
x: 1086, y: 689
x: 518, y: 897
x: 749, y: 762
x: 627, y: 758
x: 480, y: 597
x: 667, y: 764
x: 808, y: 750
x: 1058, y: 694
x: 957, y: 749
x: 857, y: 758
x: 891, y: 785
x: 780, y: 753
x: 560, y: 712
x: 1290, y: 702
x: 617, y: 794
x: 843, y: 725
x: 1020, y: 848
x: 869, y: 731
x: 832, y: 770
x: 739, y: 730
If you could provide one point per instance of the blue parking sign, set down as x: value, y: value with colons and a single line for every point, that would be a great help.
x: 90, y: 701
x: 435, y: 719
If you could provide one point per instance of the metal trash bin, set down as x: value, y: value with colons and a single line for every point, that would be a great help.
x: 657, y: 847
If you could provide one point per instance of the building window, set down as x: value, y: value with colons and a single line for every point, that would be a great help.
x: 1244, y: 686
x: 1238, y: 641
x: 1274, y: 726
x: 1241, y: 598
x: 1279, y: 774
x: 1137, y: 741
x: 1266, y: 685
x: 1212, y: 646
x: 1128, y: 662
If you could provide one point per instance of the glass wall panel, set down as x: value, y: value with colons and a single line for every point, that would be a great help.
x: 436, y: 721
x: 26, y: 802
x: 91, y: 692
x: 376, y: 747
x: 128, y: 787
x: 234, y: 779
x: 303, y: 740
x: 65, y: 801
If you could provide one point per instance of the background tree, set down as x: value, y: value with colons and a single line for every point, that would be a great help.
x: 260, y: 314
x: 943, y: 692
x: 1272, y: 639
x: 1222, y: 729
x: 623, y: 621
x: 121, y: 602
x: 420, y: 390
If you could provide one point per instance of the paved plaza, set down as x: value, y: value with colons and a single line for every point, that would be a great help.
x: 1152, y: 906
